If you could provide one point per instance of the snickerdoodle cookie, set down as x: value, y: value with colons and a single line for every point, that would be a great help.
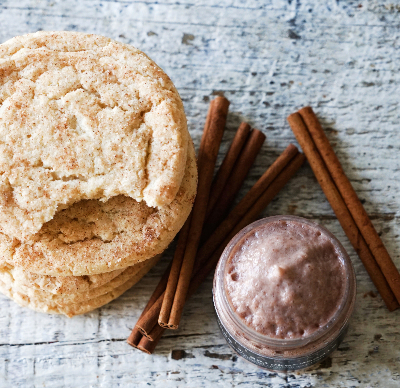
x: 83, y: 117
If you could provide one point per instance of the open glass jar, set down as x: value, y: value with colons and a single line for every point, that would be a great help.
x: 288, y: 350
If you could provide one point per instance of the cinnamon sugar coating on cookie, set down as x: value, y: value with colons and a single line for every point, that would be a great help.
x: 93, y: 237
x: 83, y: 117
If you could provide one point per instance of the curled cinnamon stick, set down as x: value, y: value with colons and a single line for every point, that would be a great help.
x: 135, y: 336
x: 339, y: 207
x: 352, y: 201
x: 169, y: 294
x: 149, y: 319
x: 207, y: 158
x: 242, y: 166
x: 148, y: 346
x: 155, y: 332
x: 227, y: 164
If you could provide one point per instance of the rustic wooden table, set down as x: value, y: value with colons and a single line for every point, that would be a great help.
x: 268, y: 58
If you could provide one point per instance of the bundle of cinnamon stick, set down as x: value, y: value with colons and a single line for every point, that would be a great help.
x: 346, y: 205
x: 190, y: 265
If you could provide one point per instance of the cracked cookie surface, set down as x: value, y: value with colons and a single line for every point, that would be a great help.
x: 83, y: 117
x: 93, y: 237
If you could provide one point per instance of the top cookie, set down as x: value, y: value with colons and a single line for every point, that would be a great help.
x: 83, y: 117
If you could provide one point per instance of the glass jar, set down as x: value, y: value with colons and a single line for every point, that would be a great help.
x: 290, y: 353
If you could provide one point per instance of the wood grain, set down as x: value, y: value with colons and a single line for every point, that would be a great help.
x: 269, y: 58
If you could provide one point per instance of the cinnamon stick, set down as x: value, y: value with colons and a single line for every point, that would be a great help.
x: 136, y: 335
x: 227, y: 164
x: 285, y: 172
x: 242, y: 166
x: 169, y: 294
x: 352, y: 201
x: 155, y: 332
x: 207, y: 158
x: 148, y: 346
x: 149, y: 319
x: 339, y: 207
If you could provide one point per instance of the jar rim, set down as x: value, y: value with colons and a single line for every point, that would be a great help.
x: 219, y: 284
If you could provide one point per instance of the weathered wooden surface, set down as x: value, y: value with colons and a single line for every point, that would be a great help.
x: 269, y: 58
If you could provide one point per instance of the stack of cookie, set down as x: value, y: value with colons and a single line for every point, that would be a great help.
x: 97, y: 169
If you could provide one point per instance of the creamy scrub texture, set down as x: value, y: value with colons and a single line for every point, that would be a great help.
x: 285, y: 279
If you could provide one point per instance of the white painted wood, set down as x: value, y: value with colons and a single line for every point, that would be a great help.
x: 269, y: 58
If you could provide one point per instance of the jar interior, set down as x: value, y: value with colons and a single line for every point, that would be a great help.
x: 287, y: 343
